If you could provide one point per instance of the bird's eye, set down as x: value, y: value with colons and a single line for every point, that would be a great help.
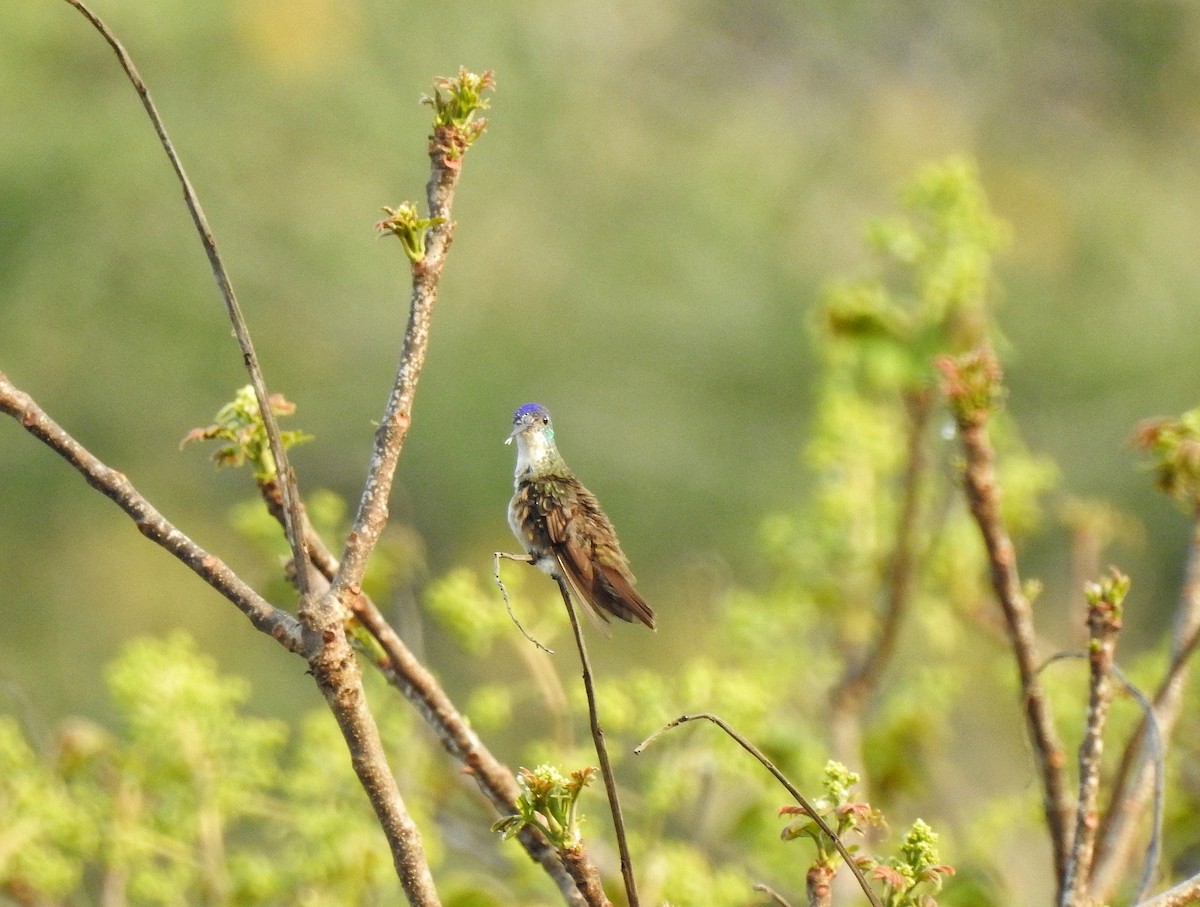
x: 545, y: 420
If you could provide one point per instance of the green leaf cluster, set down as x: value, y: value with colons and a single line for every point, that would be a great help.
x: 548, y: 802
x: 240, y: 422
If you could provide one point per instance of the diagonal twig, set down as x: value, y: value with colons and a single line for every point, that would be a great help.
x: 291, y: 496
x: 779, y: 776
x: 276, y: 623
x: 771, y: 893
x: 1186, y: 892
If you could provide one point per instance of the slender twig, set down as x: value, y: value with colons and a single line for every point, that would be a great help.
x: 779, y: 776
x: 1133, y: 781
x: 1104, y: 623
x: 1157, y: 756
x: 971, y: 383
x: 771, y: 893
x: 497, y: 557
x: 277, y: 624
x: 291, y: 495
x: 1186, y: 892
x: 610, y: 781
x: 849, y: 697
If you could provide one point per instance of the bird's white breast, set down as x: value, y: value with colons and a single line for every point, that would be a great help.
x: 533, y: 449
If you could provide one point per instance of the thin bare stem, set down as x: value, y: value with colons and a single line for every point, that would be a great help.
x: 782, y: 779
x: 1186, y: 892
x: 1104, y: 624
x: 1134, y: 780
x: 610, y: 781
x: 771, y: 893
x: 276, y: 623
x: 498, y: 556
x: 291, y: 496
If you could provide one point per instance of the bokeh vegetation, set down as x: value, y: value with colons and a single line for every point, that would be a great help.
x: 660, y: 239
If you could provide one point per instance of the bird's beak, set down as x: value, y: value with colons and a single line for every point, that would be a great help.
x: 517, y: 429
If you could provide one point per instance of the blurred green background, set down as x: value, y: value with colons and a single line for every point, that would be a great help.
x: 663, y: 192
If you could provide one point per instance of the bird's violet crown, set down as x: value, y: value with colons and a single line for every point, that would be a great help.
x: 529, y: 409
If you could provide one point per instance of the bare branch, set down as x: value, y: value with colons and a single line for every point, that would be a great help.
x: 1104, y: 623
x: 782, y: 779
x: 610, y: 781
x: 324, y: 644
x: 771, y: 893
x: 1134, y: 782
x: 332, y: 662
x: 1186, y: 892
x: 405, y: 672
x: 971, y: 385
x: 277, y: 624
x: 291, y: 496
x: 372, y: 514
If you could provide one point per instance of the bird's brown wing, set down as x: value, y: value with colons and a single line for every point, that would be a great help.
x: 587, y: 548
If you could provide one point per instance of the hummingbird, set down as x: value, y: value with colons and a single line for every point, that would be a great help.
x: 562, y: 528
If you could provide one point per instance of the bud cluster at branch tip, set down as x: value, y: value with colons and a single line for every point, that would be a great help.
x: 455, y: 127
x: 972, y: 384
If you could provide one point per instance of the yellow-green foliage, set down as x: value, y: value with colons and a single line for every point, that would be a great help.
x: 46, y: 838
x: 191, y: 800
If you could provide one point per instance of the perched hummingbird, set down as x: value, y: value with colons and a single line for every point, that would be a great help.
x: 562, y: 528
